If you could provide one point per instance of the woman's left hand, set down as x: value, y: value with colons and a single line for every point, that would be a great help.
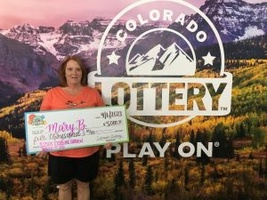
x: 108, y: 145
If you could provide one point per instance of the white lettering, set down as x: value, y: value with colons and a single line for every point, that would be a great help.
x: 180, y: 19
x: 156, y: 15
x: 187, y: 98
x: 121, y: 36
x: 192, y: 26
x: 185, y: 149
x: 207, y: 151
x: 141, y: 20
x: 146, y: 150
x: 188, y: 146
x: 125, y: 152
x: 113, y: 150
x: 167, y: 15
x: 162, y: 150
x: 131, y: 25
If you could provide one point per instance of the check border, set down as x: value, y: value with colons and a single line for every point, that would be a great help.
x: 76, y: 128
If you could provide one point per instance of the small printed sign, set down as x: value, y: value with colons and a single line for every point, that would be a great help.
x: 76, y: 128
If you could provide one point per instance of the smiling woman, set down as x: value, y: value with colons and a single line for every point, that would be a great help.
x: 79, y: 165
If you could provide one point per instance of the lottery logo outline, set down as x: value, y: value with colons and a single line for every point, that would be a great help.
x: 151, y: 79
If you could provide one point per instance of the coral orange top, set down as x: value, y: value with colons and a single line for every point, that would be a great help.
x: 57, y: 99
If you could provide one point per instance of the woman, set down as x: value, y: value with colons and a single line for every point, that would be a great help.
x: 79, y: 165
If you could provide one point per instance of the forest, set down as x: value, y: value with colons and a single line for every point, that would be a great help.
x: 237, y: 169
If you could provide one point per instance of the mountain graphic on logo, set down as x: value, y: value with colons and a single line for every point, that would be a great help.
x: 162, y: 62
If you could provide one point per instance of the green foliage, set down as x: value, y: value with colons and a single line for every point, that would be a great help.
x: 250, y: 90
x: 184, y: 178
x: 259, y: 137
x: 247, y: 49
x: 12, y: 116
x: 220, y: 177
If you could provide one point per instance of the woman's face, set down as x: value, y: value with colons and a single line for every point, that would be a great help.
x: 73, y: 73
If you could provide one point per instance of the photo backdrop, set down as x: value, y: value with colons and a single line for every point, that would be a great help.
x: 192, y: 75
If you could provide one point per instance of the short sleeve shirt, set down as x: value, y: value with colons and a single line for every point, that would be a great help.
x: 57, y: 99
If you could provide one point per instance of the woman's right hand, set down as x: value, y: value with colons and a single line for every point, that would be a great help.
x: 42, y: 154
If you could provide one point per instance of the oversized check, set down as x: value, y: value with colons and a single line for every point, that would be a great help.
x: 76, y: 128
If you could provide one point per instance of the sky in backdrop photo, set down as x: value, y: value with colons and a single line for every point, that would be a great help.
x: 55, y: 13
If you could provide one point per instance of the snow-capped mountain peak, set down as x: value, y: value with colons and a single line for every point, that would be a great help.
x: 237, y: 19
x: 70, y: 38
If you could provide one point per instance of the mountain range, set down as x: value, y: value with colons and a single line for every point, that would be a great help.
x: 236, y: 19
x: 159, y: 61
x: 30, y: 55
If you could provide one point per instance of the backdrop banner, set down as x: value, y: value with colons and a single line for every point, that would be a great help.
x: 190, y: 76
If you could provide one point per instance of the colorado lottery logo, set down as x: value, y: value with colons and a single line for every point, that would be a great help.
x: 164, y: 60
